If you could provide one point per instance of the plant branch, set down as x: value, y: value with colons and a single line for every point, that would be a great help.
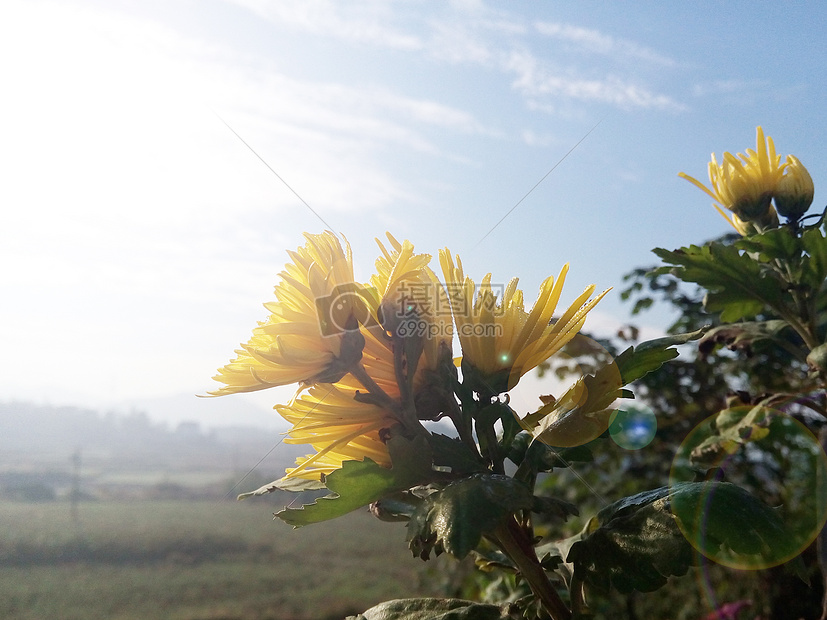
x: 461, y: 423
x: 512, y: 540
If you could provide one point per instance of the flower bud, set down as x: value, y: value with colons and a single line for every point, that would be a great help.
x: 794, y: 192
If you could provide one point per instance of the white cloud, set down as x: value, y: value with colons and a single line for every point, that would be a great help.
x: 110, y: 85
x: 596, y: 42
x: 534, y: 78
x: 474, y: 33
x: 137, y: 222
x: 368, y: 21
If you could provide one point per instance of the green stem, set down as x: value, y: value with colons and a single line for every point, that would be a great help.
x: 578, y: 603
x: 464, y: 430
x: 405, y: 413
x: 802, y: 319
x: 488, y: 441
x: 512, y: 540
x: 382, y: 398
x: 801, y: 329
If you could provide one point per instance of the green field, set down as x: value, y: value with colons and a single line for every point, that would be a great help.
x: 188, y: 560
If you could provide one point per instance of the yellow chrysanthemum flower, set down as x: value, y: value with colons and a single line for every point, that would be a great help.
x: 411, y: 291
x: 795, y: 191
x: 745, y: 184
x: 498, y: 337
x: 328, y: 417
x: 312, y: 332
x: 338, y: 427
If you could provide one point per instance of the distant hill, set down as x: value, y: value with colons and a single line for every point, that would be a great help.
x: 235, y: 410
x: 110, y: 449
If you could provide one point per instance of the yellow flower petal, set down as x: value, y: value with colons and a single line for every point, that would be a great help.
x: 498, y: 337
x: 302, y: 340
x: 338, y: 427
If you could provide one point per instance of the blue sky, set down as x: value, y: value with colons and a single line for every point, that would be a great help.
x: 141, y: 236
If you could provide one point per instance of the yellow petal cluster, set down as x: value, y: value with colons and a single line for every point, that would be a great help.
x: 498, y: 337
x: 319, y: 317
x: 412, y: 292
x: 338, y: 427
x: 291, y: 345
x: 745, y: 184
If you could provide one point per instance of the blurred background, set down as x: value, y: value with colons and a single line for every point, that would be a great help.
x: 142, y: 230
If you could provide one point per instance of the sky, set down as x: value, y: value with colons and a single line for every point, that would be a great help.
x: 141, y: 236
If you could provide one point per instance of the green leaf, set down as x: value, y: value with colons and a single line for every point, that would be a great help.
x: 639, y: 541
x: 633, y: 544
x: 296, y: 485
x: 738, y: 285
x: 774, y: 244
x: 730, y: 526
x: 358, y: 483
x: 581, y: 414
x: 554, y: 509
x: 455, y: 518
x: 397, y: 507
x: 637, y: 362
x: 438, y: 609
x: 488, y: 560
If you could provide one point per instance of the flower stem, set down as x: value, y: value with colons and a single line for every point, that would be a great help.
x: 462, y: 424
x: 382, y: 398
x: 512, y: 540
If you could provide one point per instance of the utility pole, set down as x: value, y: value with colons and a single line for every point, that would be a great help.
x: 74, y: 494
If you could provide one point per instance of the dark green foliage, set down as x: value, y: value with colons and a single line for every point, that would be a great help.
x: 453, y: 454
x: 737, y: 287
x: 741, y: 336
x: 537, y: 457
x: 455, y: 518
x: 639, y: 541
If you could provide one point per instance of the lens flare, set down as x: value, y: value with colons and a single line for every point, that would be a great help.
x: 633, y: 428
x: 784, y: 466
